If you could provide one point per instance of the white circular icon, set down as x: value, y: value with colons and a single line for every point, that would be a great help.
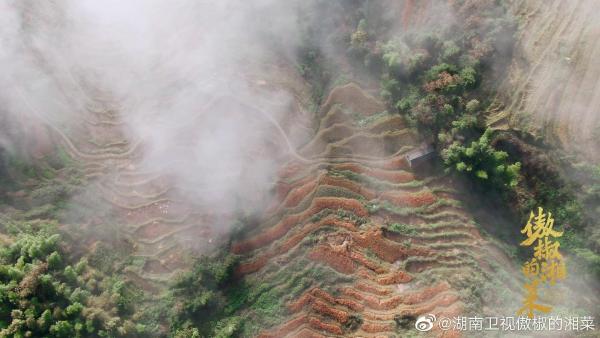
x: 425, y: 323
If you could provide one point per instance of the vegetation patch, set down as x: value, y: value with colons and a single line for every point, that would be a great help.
x: 401, y: 228
x: 44, y: 293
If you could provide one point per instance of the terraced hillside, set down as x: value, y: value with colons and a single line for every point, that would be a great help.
x: 552, y: 88
x: 238, y: 185
x: 148, y: 213
x: 155, y: 218
x: 355, y: 242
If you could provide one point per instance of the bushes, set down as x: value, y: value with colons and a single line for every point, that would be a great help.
x: 199, y: 299
x: 435, y: 71
x: 403, y: 229
x: 203, y: 301
x: 433, y: 79
x: 450, y: 51
x: 390, y: 88
x: 482, y: 162
x: 359, y: 37
x: 468, y: 75
x: 202, y: 304
x: 41, y: 296
x: 429, y: 83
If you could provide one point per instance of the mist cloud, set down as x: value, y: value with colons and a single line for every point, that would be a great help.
x: 182, y: 76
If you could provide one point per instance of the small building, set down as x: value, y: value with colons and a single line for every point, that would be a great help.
x: 418, y: 156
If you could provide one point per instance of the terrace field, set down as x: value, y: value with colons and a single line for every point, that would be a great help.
x: 231, y: 181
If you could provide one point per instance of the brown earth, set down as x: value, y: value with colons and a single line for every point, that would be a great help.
x: 385, y: 267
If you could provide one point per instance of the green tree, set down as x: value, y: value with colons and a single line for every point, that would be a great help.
x: 482, y: 162
x: 40, y: 299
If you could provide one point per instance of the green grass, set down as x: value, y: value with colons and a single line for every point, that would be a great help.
x: 333, y: 191
x: 363, y: 121
x: 401, y: 228
x: 373, y: 183
x: 406, y: 211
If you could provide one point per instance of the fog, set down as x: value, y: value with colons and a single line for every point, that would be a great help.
x: 182, y: 77
x: 192, y: 82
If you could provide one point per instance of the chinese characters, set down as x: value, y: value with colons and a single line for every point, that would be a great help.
x: 547, y: 264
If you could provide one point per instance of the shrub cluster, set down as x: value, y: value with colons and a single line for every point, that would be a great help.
x: 434, y: 80
x: 43, y: 294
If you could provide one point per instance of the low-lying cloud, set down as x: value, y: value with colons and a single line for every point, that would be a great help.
x: 181, y: 75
